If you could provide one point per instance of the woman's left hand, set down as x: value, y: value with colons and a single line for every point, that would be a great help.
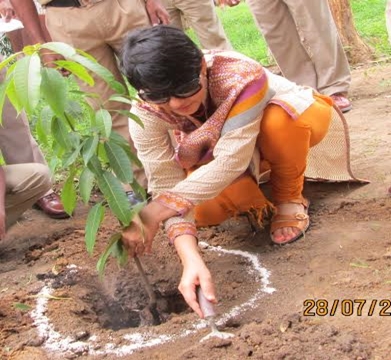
x: 134, y: 237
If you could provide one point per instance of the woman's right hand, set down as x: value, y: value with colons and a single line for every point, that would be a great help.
x: 195, y: 273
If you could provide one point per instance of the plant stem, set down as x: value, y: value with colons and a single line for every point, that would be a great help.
x: 148, y: 287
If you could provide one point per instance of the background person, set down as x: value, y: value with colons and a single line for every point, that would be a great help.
x: 304, y: 41
x: 202, y: 17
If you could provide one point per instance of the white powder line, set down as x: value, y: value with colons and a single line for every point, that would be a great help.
x: 55, y: 341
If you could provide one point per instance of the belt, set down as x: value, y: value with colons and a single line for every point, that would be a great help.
x: 71, y: 3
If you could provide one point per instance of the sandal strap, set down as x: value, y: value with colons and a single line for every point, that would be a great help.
x: 298, y: 220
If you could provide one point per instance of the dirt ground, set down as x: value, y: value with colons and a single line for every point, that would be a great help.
x: 326, y: 296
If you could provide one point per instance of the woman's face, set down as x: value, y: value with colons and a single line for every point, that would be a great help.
x: 188, y: 105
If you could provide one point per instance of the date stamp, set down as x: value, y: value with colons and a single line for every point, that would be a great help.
x: 347, y: 307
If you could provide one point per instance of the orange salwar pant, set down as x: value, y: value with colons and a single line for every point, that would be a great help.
x: 284, y: 144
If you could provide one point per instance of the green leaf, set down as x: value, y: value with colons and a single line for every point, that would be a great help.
x: 13, y: 97
x: 3, y: 88
x: 63, y: 49
x: 54, y: 88
x: 103, y: 122
x: 101, y: 265
x: 101, y: 71
x: 119, y: 140
x: 115, y: 196
x: 95, y: 166
x: 94, y: 219
x: 102, y: 154
x: 27, y: 78
x: 61, y: 133
x: 130, y: 115
x: 71, y: 157
x: 43, y: 125
x: 120, y: 99
x: 76, y: 69
x: 68, y: 193
x: 21, y: 306
x: 119, y: 162
x: 120, y: 253
x: 8, y: 60
x: 86, y: 183
x: 89, y: 148
x: 74, y: 111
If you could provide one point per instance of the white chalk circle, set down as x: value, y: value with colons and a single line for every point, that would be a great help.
x: 54, y: 341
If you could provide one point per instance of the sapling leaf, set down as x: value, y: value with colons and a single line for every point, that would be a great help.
x: 63, y: 49
x: 120, y: 99
x: 101, y: 265
x: 130, y: 115
x: 61, y: 133
x: 54, y: 88
x: 68, y: 193
x: 95, y: 166
x: 119, y: 140
x: 120, y: 253
x: 103, y: 122
x: 119, y: 162
x: 89, y: 148
x: 8, y: 60
x: 102, y: 154
x: 43, y: 124
x: 94, y: 219
x: 101, y: 71
x: 115, y: 196
x: 74, y: 111
x: 86, y: 183
x: 27, y: 79
x: 13, y: 97
x: 71, y: 157
x: 76, y: 69
x: 3, y: 88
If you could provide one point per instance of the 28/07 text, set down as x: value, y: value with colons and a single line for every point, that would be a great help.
x: 347, y: 307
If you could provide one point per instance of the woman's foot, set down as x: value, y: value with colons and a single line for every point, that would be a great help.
x: 290, y: 221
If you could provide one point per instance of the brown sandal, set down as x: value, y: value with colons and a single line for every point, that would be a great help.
x: 299, y: 220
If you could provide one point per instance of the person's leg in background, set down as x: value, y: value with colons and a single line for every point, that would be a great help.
x: 18, y: 146
x: 202, y: 17
x: 25, y: 184
x: 320, y: 35
x: 280, y: 31
x: 174, y: 13
x: 287, y: 155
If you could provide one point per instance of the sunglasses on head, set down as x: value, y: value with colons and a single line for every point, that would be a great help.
x: 184, y: 91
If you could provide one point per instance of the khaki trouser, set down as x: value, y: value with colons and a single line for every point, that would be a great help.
x: 16, y: 142
x: 99, y: 29
x: 200, y: 15
x: 304, y: 40
x: 25, y: 184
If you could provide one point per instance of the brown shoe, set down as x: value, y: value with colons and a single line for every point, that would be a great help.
x: 51, y: 205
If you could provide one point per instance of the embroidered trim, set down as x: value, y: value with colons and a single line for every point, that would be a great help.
x: 183, y: 228
x: 175, y: 202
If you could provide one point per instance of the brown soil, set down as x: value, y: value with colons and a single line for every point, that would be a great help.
x: 270, y: 297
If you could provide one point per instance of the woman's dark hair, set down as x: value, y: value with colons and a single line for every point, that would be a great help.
x: 159, y: 58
